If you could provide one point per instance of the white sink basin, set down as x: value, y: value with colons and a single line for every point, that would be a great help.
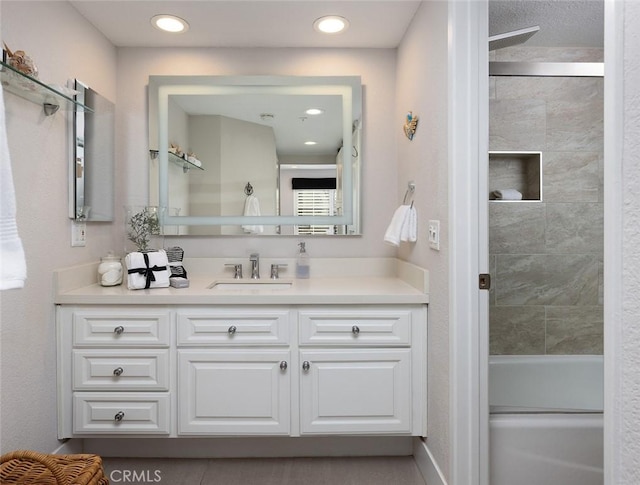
x: 251, y: 285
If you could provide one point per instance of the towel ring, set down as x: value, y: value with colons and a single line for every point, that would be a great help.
x: 248, y: 189
x: 411, y: 188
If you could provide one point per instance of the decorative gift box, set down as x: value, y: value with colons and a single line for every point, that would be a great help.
x: 147, y: 270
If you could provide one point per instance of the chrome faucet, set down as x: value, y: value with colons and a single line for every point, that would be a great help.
x: 237, y: 270
x: 255, y: 266
x: 275, y: 273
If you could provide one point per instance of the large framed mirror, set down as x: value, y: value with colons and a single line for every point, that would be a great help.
x: 256, y: 155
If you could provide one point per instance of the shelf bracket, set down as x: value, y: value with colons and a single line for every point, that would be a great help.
x: 50, y: 108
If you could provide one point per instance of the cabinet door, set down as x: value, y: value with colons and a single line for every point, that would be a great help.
x: 233, y: 392
x: 355, y: 391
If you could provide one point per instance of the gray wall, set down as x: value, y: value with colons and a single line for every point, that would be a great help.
x: 546, y: 257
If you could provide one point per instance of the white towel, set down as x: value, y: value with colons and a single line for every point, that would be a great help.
x: 507, y: 194
x: 409, y: 232
x: 13, y: 267
x: 393, y: 235
x: 147, y: 270
x: 252, y: 208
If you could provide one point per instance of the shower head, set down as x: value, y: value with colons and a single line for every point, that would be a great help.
x: 512, y: 38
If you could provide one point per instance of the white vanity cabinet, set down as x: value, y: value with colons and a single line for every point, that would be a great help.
x: 114, y: 370
x: 234, y: 375
x: 356, y: 365
x: 241, y: 370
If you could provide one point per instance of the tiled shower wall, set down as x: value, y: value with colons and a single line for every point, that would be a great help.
x: 546, y: 257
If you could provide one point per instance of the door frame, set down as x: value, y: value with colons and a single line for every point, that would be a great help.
x: 468, y: 306
x: 613, y: 234
x: 468, y: 128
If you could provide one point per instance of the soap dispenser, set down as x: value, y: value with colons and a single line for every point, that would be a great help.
x: 302, y: 263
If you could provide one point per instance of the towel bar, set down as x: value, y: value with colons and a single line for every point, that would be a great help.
x: 411, y: 188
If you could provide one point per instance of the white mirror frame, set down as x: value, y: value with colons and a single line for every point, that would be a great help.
x: 348, y: 88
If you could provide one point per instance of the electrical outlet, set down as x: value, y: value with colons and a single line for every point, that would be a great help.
x: 78, y: 234
x: 434, y: 235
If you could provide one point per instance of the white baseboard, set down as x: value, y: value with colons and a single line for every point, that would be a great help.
x: 427, y: 464
x: 70, y: 447
x: 249, y: 447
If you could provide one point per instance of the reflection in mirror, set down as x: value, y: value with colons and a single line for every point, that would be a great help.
x: 246, y: 156
x: 91, y: 172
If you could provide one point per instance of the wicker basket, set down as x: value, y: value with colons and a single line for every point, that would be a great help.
x: 30, y: 467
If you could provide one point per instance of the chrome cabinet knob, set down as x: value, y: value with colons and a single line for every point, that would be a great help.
x: 306, y: 365
x: 283, y: 365
x: 118, y: 330
x: 355, y: 330
x: 118, y: 371
x: 232, y: 329
x: 119, y: 415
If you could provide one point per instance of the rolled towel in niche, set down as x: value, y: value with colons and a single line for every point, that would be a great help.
x: 506, y: 194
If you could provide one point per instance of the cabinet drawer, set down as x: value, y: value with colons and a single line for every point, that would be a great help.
x: 250, y: 327
x: 108, y: 369
x: 121, y: 413
x: 130, y: 327
x: 355, y: 327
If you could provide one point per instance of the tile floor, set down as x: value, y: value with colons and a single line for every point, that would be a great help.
x: 264, y: 471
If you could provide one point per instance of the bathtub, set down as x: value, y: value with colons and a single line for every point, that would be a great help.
x: 545, y: 425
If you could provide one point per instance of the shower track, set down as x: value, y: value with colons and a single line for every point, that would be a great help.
x: 546, y: 69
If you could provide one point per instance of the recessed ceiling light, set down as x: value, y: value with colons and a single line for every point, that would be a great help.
x: 169, y: 23
x: 310, y: 143
x: 331, y: 24
x: 314, y: 111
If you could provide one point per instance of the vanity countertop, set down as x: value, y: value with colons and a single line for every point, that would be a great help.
x: 399, y: 283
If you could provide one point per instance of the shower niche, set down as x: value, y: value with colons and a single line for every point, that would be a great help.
x: 512, y: 172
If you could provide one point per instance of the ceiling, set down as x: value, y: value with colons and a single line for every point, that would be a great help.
x: 563, y: 23
x: 250, y: 23
x: 288, y: 23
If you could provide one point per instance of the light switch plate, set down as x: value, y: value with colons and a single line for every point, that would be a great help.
x: 78, y: 234
x: 434, y: 235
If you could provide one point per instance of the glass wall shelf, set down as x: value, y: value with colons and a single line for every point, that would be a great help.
x: 186, y: 164
x: 34, y: 90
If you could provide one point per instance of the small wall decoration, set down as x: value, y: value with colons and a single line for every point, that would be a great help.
x: 410, y: 125
x: 20, y: 62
